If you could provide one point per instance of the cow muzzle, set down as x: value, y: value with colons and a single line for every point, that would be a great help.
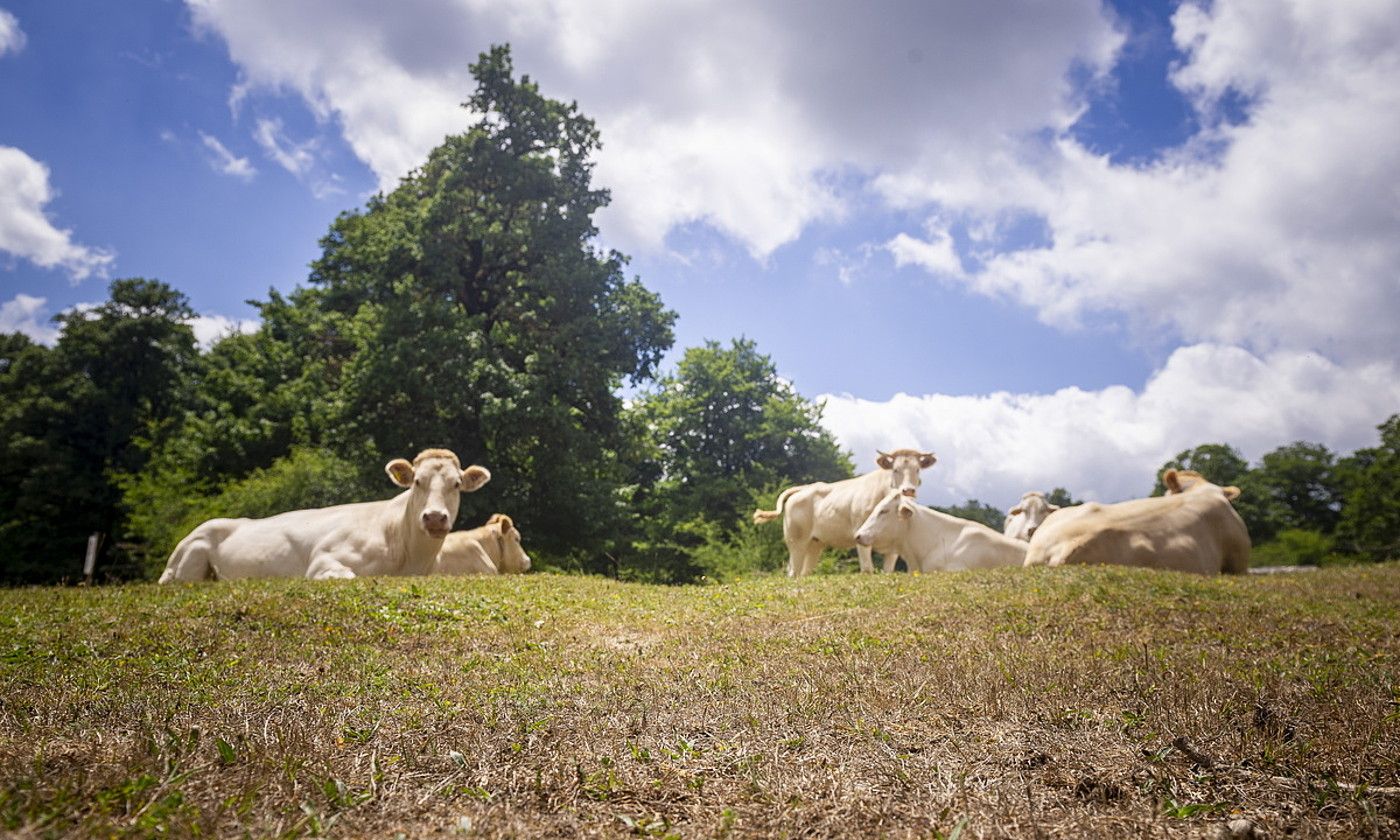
x: 436, y: 523
x: 862, y: 538
x: 908, y: 491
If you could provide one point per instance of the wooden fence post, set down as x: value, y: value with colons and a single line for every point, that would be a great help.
x: 90, y: 561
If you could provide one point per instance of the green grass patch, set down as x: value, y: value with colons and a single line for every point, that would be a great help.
x: 1011, y: 702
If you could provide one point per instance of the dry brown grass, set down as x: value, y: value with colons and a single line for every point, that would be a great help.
x: 1037, y: 703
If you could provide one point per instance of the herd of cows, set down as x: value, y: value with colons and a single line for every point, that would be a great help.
x: 1193, y: 528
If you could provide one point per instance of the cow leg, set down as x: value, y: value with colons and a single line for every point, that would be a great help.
x: 191, y: 562
x: 867, y: 565
x: 810, y: 557
x: 891, y: 559
x: 327, y: 567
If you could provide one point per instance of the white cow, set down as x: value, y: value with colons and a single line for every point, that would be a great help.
x: 828, y: 513
x: 1193, y: 528
x: 398, y: 536
x: 492, y: 549
x: 930, y: 541
x: 1026, y: 517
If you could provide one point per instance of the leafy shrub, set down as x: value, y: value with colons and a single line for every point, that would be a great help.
x: 1294, y: 547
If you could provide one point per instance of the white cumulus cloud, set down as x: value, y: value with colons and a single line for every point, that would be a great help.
x: 25, y: 230
x: 11, y: 36
x: 1279, y: 232
x: 27, y: 314
x: 1107, y: 444
x: 209, y: 329
x: 740, y: 115
x: 225, y: 161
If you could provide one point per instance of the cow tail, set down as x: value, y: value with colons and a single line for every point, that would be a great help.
x: 762, y: 516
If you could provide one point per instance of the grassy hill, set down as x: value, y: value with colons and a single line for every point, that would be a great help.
x: 1069, y: 702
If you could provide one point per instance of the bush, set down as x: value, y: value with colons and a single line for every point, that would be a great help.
x: 1295, y: 547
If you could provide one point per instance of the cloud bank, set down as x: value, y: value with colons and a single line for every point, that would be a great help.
x: 1107, y: 445
x: 25, y: 230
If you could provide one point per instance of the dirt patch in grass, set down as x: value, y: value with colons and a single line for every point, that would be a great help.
x: 1035, y: 703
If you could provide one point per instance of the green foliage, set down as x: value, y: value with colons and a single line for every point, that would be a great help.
x: 1370, y: 518
x: 467, y: 309
x: 720, y: 428
x: 977, y: 511
x: 74, y: 421
x: 1300, y: 481
x: 1220, y: 463
x: 1294, y: 547
x: 1062, y: 497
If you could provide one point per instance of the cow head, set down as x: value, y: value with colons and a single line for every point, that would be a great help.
x: 513, y: 559
x: 904, y: 466
x: 435, y: 480
x: 1190, y: 481
x: 1033, y: 509
x: 883, y: 525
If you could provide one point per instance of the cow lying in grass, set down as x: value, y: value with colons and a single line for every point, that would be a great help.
x: 1023, y: 520
x: 398, y: 536
x: 492, y: 549
x: 1193, y: 528
x: 930, y: 541
x: 828, y: 513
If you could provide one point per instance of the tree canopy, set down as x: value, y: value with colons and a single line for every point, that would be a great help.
x: 78, y: 416
x: 722, y: 428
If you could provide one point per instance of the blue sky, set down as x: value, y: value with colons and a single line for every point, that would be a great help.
x: 1053, y: 242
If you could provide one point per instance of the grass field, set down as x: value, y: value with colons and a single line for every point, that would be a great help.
x: 1024, y: 703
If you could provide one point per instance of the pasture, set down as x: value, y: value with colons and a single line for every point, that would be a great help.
x: 1023, y: 703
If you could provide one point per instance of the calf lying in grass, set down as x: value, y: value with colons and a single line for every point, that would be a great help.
x: 492, y: 549
x: 931, y: 541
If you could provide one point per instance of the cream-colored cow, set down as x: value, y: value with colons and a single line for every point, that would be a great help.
x: 492, y: 549
x: 1026, y: 517
x: 398, y: 536
x: 828, y: 513
x: 931, y: 541
x: 1193, y: 528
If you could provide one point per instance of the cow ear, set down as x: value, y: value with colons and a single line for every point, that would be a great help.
x: 400, y: 472
x: 1172, y: 481
x: 474, y: 478
x: 906, y: 509
x: 506, y: 525
x: 926, y: 460
x: 1232, y: 492
x: 1016, y: 511
x: 883, y: 460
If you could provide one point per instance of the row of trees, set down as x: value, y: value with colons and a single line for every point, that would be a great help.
x: 468, y: 308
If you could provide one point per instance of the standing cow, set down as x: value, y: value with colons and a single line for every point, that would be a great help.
x: 1193, y: 528
x: 932, y: 541
x: 398, y: 536
x: 828, y: 513
x: 1023, y: 520
x: 492, y: 549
